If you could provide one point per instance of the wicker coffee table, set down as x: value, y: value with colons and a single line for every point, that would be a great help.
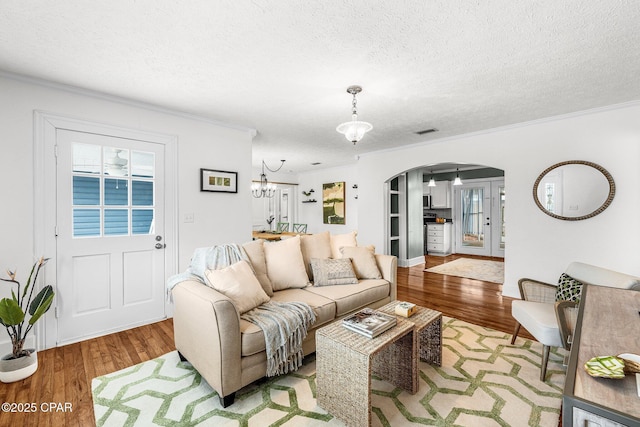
x: 345, y: 361
x: 429, y: 331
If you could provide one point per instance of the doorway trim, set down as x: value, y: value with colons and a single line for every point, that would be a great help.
x: 45, y: 126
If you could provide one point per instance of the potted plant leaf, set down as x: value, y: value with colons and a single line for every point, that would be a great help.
x: 22, y: 362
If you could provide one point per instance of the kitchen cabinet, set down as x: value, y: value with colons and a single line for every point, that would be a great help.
x: 438, y: 238
x: 440, y: 195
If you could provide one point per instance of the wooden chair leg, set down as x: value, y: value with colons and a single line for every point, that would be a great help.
x: 545, y: 360
x: 515, y: 333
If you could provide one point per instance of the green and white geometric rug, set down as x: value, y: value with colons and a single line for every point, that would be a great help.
x: 483, y: 381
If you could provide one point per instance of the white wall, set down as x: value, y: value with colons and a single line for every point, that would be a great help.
x: 537, y: 245
x: 219, y: 218
x: 311, y: 213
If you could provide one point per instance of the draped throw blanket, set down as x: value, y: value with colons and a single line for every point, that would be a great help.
x: 285, y: 326
x: 212, y: 258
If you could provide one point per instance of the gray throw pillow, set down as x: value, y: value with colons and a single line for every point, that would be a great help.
x: 333, y: 272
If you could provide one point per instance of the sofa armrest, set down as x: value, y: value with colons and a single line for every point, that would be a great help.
x: 534, y: 290
x: 388, y: 266
x: 206, y: 328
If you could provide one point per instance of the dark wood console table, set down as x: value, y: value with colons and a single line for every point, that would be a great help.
x: 608, y: 324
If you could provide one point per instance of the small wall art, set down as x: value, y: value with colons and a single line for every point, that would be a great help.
x: 218, y: 181
x: 333, y: 203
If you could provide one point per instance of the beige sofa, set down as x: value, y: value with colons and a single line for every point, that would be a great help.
x: 228, y: 351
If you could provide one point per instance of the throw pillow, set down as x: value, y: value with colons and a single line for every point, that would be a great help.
x: 569, y: 289
x: 285, y: 265
x: 315, y: 246
x: 240, y: 284
x: 333, y: 272
x: 255, y: 252
x: 364, y: 261
x: 340, y: 240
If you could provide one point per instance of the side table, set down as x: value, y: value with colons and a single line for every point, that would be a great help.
x: 345, y: 361
x: 428, y: 325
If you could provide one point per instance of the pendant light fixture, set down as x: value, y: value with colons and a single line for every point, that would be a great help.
x: 265, y: 188
x: 457, y: 181
x: 355, y: 129
x: 432, y: 182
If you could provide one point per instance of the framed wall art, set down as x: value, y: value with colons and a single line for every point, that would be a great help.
x: 333, y: 203
x: 218, y: 181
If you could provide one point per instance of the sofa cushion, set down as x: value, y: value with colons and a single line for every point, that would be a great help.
x: 352, y: 297
x: 239, y: 283
x: 314, y: 246
x: 252, y: 338
x: 255, y: 251
x: 363, y: 260
x: 340, y: 240
x: 333, y: 272
x: 569, y: 289
x: 285, y: 266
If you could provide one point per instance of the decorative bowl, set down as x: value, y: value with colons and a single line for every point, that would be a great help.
x: 605, y: 367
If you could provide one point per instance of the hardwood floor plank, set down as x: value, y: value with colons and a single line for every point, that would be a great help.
x: 65, y: 373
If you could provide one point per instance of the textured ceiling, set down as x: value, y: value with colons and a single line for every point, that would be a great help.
x: 282, y: 67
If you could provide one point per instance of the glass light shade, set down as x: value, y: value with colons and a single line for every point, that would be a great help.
x: 457, y: 181
x: 432, y: 182
x: 355, y: 129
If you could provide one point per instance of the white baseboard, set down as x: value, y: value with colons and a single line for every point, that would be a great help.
x: 410, y: 262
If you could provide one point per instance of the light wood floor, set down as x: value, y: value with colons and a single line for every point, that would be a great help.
x: 65, y: 373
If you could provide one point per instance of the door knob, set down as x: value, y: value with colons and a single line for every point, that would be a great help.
x: 160, y: 246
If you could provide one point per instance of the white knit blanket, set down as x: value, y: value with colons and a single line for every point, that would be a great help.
x: 212, y: 258
x: 285, y: 326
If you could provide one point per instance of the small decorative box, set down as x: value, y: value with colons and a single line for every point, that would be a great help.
x: 405, y: 309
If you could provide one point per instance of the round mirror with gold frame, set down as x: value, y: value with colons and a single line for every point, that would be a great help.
x: 574, y: 190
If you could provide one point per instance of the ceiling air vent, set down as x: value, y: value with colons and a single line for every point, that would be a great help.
x: 423, y: 132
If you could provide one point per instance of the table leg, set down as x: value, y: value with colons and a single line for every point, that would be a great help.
x: 398, y: 363
x: 431, y: 343
x: 343, y: 381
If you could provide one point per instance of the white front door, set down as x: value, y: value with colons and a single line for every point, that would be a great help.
x: 110, y: 258
x: 479, y: 218
x: 473, y: 231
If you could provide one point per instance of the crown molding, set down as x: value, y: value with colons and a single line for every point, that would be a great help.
x: 122, y: 100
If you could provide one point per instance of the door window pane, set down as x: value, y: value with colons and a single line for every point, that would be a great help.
x: 472, y: 216
x: 116, y: 222
x: 142, y: 221
x: 86, y: 158
x: 86, y: 190
x: 143, y: 164
x: 142, y: 193
x: 116, y: 161
x: 115, y: 192
x: 86, y: 222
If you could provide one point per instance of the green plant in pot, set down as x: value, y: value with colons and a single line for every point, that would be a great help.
x: 22, y: 362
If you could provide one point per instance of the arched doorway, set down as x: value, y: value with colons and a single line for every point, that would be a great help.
x: 471, y: 212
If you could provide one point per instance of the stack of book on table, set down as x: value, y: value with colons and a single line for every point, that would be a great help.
x: 369, y: 323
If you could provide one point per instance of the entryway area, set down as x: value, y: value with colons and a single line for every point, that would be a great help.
x: 110, y: 225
